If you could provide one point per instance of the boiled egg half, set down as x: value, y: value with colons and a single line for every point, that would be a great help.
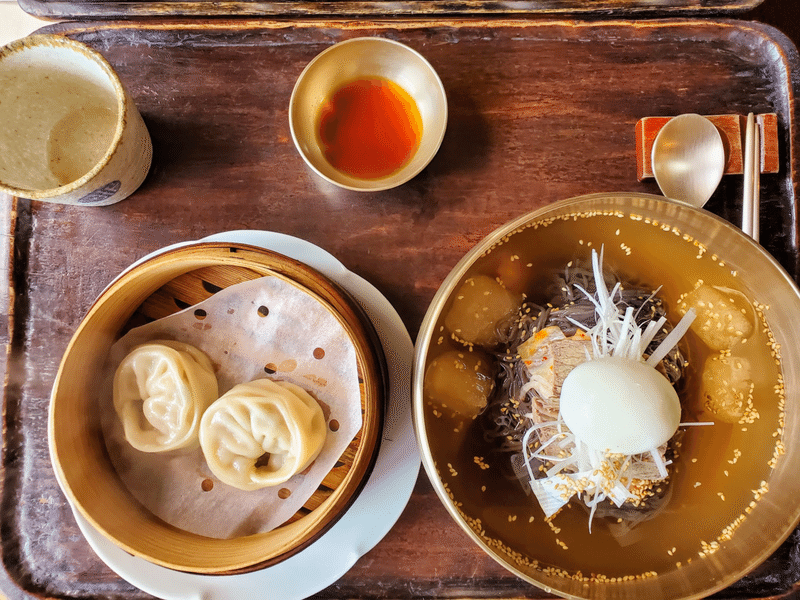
x: 619, y: 405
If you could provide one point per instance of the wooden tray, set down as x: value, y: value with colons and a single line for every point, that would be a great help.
x: 539, y: 111
x: 70, y: 9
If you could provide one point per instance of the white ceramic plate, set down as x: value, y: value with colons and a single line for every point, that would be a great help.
x: 372, y: 514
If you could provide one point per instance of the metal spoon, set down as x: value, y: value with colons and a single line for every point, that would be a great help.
x: 688, y: 159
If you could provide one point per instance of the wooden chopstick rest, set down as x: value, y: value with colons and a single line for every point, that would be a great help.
x: 731, y: 128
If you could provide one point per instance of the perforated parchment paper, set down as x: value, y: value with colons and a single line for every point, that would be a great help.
x: 266, y: 327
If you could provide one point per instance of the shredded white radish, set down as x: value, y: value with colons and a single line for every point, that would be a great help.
x: 577, y: 469
x: 673, y: 337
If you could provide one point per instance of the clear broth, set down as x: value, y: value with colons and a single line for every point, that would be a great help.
x: 720, y: 470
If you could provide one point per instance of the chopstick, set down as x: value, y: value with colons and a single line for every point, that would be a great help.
x: 752, y: 179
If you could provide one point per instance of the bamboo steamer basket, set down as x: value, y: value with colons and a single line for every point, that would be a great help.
x: 158, y: 287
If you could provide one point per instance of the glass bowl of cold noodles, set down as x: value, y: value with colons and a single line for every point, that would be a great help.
x: 606, y: 398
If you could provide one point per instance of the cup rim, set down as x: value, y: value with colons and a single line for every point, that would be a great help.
x: 58, y: 41
x: 370, y: 185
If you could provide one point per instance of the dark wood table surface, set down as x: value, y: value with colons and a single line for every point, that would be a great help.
x: 539, y: 111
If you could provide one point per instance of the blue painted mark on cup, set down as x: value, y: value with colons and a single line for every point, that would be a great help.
x: 100, y: 194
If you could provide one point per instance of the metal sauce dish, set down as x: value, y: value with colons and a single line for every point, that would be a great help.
x: 358, y: 58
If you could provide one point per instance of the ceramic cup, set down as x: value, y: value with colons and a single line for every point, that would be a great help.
x: 69, y: 132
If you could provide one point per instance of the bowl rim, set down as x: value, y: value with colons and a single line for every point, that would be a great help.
x: 369, y: 353
x: 423, y: 344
